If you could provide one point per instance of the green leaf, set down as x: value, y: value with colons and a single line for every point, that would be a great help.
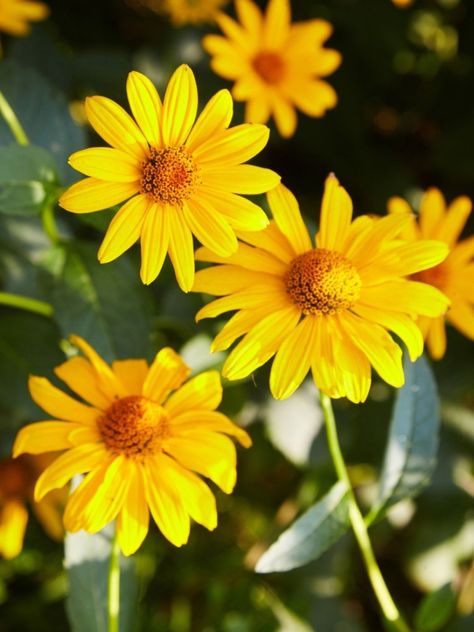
x: 87, y: 560
x: 311, y: 535
x: 105, y: 304
x: 436, y: 609
x: 27, y: 175
x: 410, y: 457
x: 43, y: 113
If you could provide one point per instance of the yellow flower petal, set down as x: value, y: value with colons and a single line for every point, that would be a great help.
x: 456, y: 217
x: 167, y: 372
x: 405, y: 296
x: 79, y: 375
x: 246, y: 179
x: 313, y: 97
x: 181, y: 250
x: 133, y: 520
x: 248, y: 46
x: 436, y: 338
x: 352, y: 369
x: 132, y: 374
x: 323, y: 365
x: 250, y: 16
x: 276, y: 25
x: 461, y: 315
x: 258, y: 108
x: 179, y: 106
x: 106, y: 163
x: 432, y: 212
x: 124, y: 229
x: 211, y: 421
x: 154, y: 241
x: 74, y: 514
x: 58, y: 404
x: 252, y: 259
x: 214, y: 118
x: 271, y: 240
x: 232, y: 146
x: 336, y: 215
x: 146, y: 107
x: 90, y: 194
x: 109, y: 384
x: 115, y: 126
x: 373, y: 237
x: 237, y: 326
x: 242, y: 214
x: 225, y: 279
x: 286, y: 211
x: 210, y: 228
x: 44, y: 436
x: 201, y: 392
x: 13, y: 521
x: 285, y: 116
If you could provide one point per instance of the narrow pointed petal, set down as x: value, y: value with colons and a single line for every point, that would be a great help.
x: 132, y: 374
x: 79, y: 374
x: 454, y: 221
x: 244, y: 179
x: 432, y: 212
x: 58, y: 404
x: 214, y: 118
x: 179, y: 106
x: 125, y: 228
x: 167, y: 372
x: 146, y: 107
x: 90, y: 195
x: 104, y: 163
x: 410, y: 297
x: 13, y: 521
x: 134, y: 518
x: 154, y: 242
x: 232, y: 146
x: 44, y: 436
x: 210, y: 228
x: 336, y: 215
x: 286, y: 211
x: 436, y: 338
x: 211, y: 421
x: 109, y: 384
x: 181, y: 250
x: 201, y: 392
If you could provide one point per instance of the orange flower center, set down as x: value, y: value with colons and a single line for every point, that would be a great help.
x: 169, y: 175
x: 270, y: 66
x: 322, y: 282
x: 437, y: 276
x: 134, y: 426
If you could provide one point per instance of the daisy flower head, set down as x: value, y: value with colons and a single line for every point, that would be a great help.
x: 16, y: 15
x: 276, y: 65
x: 142, y: 436
x: 327, y: 307
x: 17, y: 481
x: 180, y: 176
x: 455, y: 275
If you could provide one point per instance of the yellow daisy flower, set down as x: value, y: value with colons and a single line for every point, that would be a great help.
x: 15, y: 15
x: 455, y: 275
x: 276, y: 65
x: 138, y: 443
x: 325, y: 308
x: 190, y: 11
x: 180, y: 176
x: 17, y: 481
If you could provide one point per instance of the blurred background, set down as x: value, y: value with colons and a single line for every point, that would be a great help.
x: 404, y: 122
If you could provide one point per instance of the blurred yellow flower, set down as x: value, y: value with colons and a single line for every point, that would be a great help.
x: 402, y: 4
x: 138, y: 443
x: 181, y: 175
x: 15, y: 15
x: 190, y: 11
x: 455, y: 275
x: 325, y: 308
x: 17, y: 481
x: 276, y: 65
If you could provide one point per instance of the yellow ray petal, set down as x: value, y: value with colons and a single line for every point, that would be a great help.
x: 432, y: 212
x: 74, y: 514
x: 195, y: 496
x: 115, y: 126
x: 124, y: 229
x: 206, y: 453
x: 13, y: 521
x: 78, y: 460
x: 167, y: 372
x: 251, y: 259
x: 293, y: 359
x: 276, y: 24
x: 240, y: 38
x: 179, y: 106
x: 85, y: 434
x: 286, y: 211
x: 79, y: 374
x: 154, y: 242
x: 146, y: 107
x: 232, y: 146
x: 323, y: 365
x: 462, y: 252
x: 312, y: 97
x: 58, y: 404
x: 134, y: 518
x: 166, y: 507
x: 461, y: 315
x: 374, y: 236
x: 89, y: 195
x: 242, y: 214
x: 456, y: 217
x: 249, y: 16
x: 352, y: 368
x: 225, y: 279
x: 105, y: 163
x: 110, y: 386
x: 258, y: 108
x: 436, y: 338
x: 272, y: 240
x: 44, y: 436
x: 214, y: 118
x: 210, y: 421
x: 285, y: 116
x: 201, y: 392
x: 246, y: 179
x: 238, y: 325
x: 405, y: 296
x: 336, y: 215
x: 132, y: 374
x: 210, y: 228
x: 181, y: 250
x: 227, y: 61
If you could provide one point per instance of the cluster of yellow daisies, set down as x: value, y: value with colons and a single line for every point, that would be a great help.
x: 144, y: 436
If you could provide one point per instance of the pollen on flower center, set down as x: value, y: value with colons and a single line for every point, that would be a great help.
x: 322, y: 282
x: 169, y: 175
x: 270, y: 66
x: 134, y: 426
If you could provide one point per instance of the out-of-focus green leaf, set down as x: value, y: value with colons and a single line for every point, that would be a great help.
x: 27, y: 175
x: 410, y: 457
x: 435, y: 609
x: 44, y: 114
x: 87, y: 560
x: 105, y: 304
x: 309, y: 536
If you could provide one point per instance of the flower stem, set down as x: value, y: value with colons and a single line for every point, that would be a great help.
x: 13, y: 123
x: 49, y: 221
x: 28, y: 304
x: 113, y: 597
x: 387, y: 605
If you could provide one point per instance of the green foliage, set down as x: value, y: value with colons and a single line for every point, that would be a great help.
x: 435, y: 610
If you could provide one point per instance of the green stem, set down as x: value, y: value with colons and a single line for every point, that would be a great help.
x: 113, y: 597
x: 28, y: 304
x: 387, y: 605
x: 13, y: 123
x: 49, y: 221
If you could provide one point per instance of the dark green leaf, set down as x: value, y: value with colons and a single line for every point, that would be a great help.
x: 27, y: 175
x: 87, y: 560
x: 105, y: 304
x: 410, y: 457
x: 309, y: 536
x: 435, y: 609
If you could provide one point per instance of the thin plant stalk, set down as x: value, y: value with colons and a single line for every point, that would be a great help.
x: 113, y: 595
x: 12, y: 121
x: 387, y: 605
x: 25, y: 303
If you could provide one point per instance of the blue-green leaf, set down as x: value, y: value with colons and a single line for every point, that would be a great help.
x: 309, y: 536
x: 436, y: 609
x: 410, y: 457
x: 87, y: 560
